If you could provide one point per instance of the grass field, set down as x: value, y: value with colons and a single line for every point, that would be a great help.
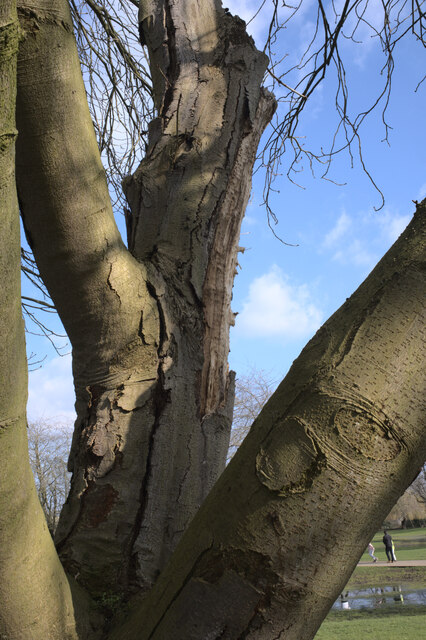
x: 392, y: 575
x: 410, y: 544
x: 392, y: 623
x: 398, y: 622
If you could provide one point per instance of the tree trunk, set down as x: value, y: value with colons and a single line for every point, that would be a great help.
x: 34, y: 593
x: 282, y: 530
x: 149, y: 329
x: 149, y: 325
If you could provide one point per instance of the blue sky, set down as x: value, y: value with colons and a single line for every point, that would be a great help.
x: 284, y: 293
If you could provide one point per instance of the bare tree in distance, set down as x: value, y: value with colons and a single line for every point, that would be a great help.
x: 48, y: 445
x: 418, y: 488
x: 410, y: 509
x: 252, y: 391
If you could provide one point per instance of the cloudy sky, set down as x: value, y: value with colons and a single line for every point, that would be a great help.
x: 282, y: 293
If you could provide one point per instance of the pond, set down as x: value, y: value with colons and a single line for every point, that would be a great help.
x: 379, y: 597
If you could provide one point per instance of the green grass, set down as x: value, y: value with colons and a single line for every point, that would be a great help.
x: 367, y: 577
x: 406, y: 622
x: 390, y: 623
x: 410, y: 544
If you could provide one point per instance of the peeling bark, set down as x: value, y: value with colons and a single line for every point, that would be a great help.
x: 187, y: 201
x: 149, y: 327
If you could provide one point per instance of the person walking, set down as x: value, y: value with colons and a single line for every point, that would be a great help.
x: 370, y: 550
x: 387, y: 541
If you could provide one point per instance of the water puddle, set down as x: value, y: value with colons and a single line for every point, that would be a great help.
x: 379, y: 597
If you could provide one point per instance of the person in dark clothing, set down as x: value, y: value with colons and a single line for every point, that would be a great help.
x: 387, y: 541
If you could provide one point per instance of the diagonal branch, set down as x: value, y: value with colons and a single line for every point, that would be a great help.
x: 305, y: 492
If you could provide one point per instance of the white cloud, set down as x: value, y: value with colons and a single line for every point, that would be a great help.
x: 251, y: 215
x: 357, y: 254
x: 392, y: 225
x: 51, y: 391
x: 276, y: 308
x: 340, y: 229
x: 361, y: 240
x: 246, y: 9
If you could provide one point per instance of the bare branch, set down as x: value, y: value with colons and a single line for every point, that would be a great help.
x: 40, y: 304
x: 118, y: 83
x: 320, y: 55
x: 120, y: 95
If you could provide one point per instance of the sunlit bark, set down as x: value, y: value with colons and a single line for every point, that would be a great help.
x: 34, y: 592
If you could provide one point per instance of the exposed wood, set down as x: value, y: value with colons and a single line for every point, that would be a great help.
x: 149, y: 327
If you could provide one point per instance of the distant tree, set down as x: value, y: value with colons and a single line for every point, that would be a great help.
x: 252, y: 391
x: 410, y: 508
x: 418, y: 488
x: 408, y: 511
x: 48, y: 446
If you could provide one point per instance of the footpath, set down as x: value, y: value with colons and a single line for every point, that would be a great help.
x: 398, y: 563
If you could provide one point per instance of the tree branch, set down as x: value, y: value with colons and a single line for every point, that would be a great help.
x: 64, y: 199
x: 348, y: 415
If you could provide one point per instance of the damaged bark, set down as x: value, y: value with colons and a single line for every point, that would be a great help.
x: 186, y: 215
x: 149, y: 326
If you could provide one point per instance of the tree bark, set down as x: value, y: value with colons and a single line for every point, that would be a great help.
x: 149, y: 325
x: 282, y: 530
x: 149, y: 329
x: 34, y: 593
x: 187, y: 201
